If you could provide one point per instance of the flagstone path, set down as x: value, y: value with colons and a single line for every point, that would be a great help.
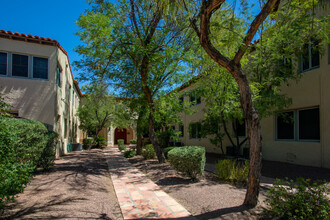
x: 139, y: 197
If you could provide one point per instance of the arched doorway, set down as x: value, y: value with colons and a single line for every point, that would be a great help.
x: 120, y: 133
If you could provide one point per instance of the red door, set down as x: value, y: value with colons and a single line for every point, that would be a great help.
x: 120, y: 134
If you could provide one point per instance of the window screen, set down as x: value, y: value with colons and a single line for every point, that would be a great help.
x: 309, y: 124
x: 20, y: 65
x: 285, y: 125
x: 3, y: 63
x: 40, y: 68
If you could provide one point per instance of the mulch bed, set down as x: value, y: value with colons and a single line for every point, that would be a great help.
x: 207, y: 199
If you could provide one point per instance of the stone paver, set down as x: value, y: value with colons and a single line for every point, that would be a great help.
x: 139, y: 197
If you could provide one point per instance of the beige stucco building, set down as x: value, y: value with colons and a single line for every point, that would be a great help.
x: 306, y: 139
x: 37, y: 81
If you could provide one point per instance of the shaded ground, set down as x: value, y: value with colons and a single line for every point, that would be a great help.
x: 78, y: 187
x: 273, y: 169
x: 207, y: 199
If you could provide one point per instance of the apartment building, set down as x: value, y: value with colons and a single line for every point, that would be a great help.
x: 37, y: 81
x: 304, y: 139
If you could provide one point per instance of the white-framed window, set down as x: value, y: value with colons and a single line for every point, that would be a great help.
x: 22, y: 65
x: 3, y: 63
x: 40, y: 68
x: 310, y: 58
x: 298, y: 125
x: 195, y: 130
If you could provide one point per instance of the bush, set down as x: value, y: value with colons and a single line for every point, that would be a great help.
x: 100, y: 141
x: 122, y: 147
x: 166, y: 150
x: 130, y: 153
x: 121, y: 142
x: 189, y: 160
x: 47, y: 158
x: 233, y: 171
x: 149, y: 152
x: 133, y: 141
x: 298, y: 200
x: 22, y: 143
x: 86, y: 143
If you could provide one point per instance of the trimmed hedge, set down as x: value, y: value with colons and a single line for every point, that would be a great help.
x: 233, y: 171
x: 149, y: 152
x: 129, y: 153
x: 189, y: 160
x: 122, y: 147
x: 133, y: 141
x: 23, y: 143
x: 166, y: 150
x: 121, y: 142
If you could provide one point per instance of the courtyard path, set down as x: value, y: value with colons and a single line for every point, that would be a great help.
x: 78, y: 187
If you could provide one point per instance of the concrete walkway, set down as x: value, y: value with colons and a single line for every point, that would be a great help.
x: 139, y: 197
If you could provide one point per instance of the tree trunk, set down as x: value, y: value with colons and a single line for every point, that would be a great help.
x: 254, y: 134
x: 153, y: 139
x: 139, y: 145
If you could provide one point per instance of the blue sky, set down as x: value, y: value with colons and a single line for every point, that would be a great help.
x: 45, y: 18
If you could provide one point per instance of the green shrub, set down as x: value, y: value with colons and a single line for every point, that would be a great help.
x: 166, y: 150
x: 233, y: 171
x: 47, y: 158
x: 122, y: 147
x: 22, y: 143
x: 100, y: 141
x: 86, y: 143
x: 189, y: 160
x: 133, y: 141
x: 121, y: 142
x: 130, y: 153
x: 298, y: 200
x: 148, y: 152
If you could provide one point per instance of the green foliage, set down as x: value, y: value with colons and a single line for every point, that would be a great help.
x: 233, y: 171
x: 166, y: 150
x: 4, y: 107
x: 189, y: 160
x: 22, y: 145
x: 46, y: 160
x: 133, y: 141
x: 122, y: 147
x: 100, y: 141
x: 148, y: 152
x: 86, y: 143
x: 121, y: 141
x: 298, y: 200
x: 130, y: 153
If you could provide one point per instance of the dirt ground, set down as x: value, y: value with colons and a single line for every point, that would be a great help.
x: 78, y: 187
x: 207, y: 199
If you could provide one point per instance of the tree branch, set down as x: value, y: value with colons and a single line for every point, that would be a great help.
x: 269, y: 6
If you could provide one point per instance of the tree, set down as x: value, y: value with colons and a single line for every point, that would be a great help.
x: 283, y: 31
x: 136, y: 51
x: 99, y: 110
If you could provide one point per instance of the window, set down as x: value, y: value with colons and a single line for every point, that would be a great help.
x: 298, y: 125
x: 20, y: 66
x: 3, y: 63
x: 193, y: 98
x: 40, y: 68
x: 181, y: 130
x: 58, y: 78
x: 309, y: 124
x: 310, y: 58
x: 195, y: 130
x: 181, y: 100
x: 285, y: 125
x: 239, y: 128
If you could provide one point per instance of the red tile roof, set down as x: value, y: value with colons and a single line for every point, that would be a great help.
x: 41, y: 40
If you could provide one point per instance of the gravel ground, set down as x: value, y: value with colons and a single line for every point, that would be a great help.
x: 206, y: 199
x: 78, y: 187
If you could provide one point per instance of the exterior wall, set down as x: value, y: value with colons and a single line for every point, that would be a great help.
x: 200, y: 110
x: 32, y: 98
x: 40, y: 99
x: 313, y: 90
